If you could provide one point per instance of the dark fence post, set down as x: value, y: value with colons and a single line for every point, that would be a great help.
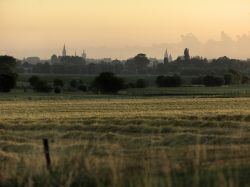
x: 46, y: 153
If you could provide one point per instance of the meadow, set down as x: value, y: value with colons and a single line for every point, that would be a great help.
x: 124, y: 140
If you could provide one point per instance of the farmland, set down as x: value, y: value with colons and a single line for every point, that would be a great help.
x: 124, y: 140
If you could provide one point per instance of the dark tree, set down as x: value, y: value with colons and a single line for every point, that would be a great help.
x: 141, y: 83
x: 57, y: 90
x: 7, y: 64
x: 228, y: 78
x: 141, y: 61
x: 130, y: 85
x: 160, y: 81
x: 33, y: 80
x: 236, y: 76
x: 186, y: 55
x: 42, y: 86
x: 7, y: 82
x: 169, y: 81
x: 197, y: 80
x: 108, y: 83
x: 212, y: 81
x: 82, y: 88
x: 58, y: 83
x: 8, y: 74
x: 73, y: 83
x: 245, y: 79
x: 130, y: 66
x: 173, y: 81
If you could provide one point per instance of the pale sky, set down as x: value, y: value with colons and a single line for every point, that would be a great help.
x: 41, y: 27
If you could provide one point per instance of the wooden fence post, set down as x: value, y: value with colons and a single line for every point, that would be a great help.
x: 46, y: 153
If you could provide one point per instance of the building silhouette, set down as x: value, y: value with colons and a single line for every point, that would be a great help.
x: 54, y: 59
x: 84, y: 55
x: 67, y: 58
x: 64, y: 52
x: 170, y: 58
x: 167, y: 58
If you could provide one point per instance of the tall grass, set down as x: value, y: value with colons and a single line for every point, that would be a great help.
x: 125, y: 142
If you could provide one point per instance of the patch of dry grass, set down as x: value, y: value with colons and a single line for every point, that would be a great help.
x: 126, y: 142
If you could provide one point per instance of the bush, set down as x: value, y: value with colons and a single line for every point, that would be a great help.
x: 7, y: 82
x: 228, y: 79
x: 58, y: 83
x: 237, y: 77
x: 197, y: 81
x: 169, y: 81
x: 42, y: 86
x: 33, y: 80
x: 160, y: 81
x: 82, y: 88
x: 39, y: 85
x: 7, y: 65
x: 8, y: 74
x: 57, y: 90
x: 77, y: 84
x: 130, y: 85
x: 141, y: 83
x: 108, y: 83
x: 211, y: 81
x: 73, y: 83
x: 245, y: 79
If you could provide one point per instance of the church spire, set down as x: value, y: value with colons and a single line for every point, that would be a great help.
x: 166, y: 54
x: 64, y: 53
x: 84, y: 55
x: 170, y: 58
x: 166, y: 59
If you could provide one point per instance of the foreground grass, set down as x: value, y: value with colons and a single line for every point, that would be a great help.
x: 109, y: 141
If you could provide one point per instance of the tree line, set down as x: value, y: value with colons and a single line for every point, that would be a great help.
x: 108, y: 82
x: 140, y: 64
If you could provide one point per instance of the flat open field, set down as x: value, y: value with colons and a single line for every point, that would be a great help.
x: 129, y: 141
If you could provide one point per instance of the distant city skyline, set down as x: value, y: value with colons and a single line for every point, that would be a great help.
x: 121, y: 29
x: 239, y: 47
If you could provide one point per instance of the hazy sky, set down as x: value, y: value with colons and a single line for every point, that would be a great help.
x: 41, y: 27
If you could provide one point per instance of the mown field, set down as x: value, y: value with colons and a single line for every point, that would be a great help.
x: 124, y: 141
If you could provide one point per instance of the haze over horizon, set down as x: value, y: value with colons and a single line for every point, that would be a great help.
x: 121, y: 29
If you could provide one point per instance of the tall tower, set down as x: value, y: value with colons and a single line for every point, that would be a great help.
x: 170, y: 58
x: 84, y: 55
x: 166, y: 60
x: 64, y: 53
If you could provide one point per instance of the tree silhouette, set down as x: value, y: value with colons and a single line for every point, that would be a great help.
x: 33, y: 80
x: 58, y: 83
x: 8, y: 74
x: 141, y: 83
x: 211, y: 81
x: 186, y: 55
x: 141, y: 61
x: 42, y: 86
x: 7, y: 64
x: 108, y: 83
x: 7, y: 82
x: 169, y: 81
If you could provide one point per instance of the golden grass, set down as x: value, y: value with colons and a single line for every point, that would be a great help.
x: 128, y: 142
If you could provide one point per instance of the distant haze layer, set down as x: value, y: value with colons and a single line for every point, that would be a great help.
x: 120, y: 29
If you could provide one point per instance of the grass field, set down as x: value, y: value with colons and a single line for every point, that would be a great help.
x: 126, y: 141
x: 224, y: 91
